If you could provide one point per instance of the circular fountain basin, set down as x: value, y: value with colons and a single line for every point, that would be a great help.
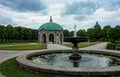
x: 87, y: 60
x: 69, y: 70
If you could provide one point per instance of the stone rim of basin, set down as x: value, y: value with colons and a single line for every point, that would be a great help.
x: 31, y: 66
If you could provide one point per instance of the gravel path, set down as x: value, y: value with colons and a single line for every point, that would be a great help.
x: 6, y: 54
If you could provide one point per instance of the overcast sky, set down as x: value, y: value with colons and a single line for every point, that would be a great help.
x: 83, y: 13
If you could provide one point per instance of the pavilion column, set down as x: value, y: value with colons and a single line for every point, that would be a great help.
x: 55, y: 39
x: 41, y: 39
x: 47, y: 38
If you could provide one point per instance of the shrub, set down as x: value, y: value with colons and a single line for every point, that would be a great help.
x: 118, y: 45
x: 111, y: 45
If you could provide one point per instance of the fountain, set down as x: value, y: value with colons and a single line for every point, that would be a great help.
x: 82, y: 63
x: 75, y: 40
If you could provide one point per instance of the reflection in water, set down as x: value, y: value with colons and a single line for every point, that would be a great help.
x: 75, y: 64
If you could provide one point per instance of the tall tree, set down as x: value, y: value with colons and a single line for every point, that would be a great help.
x: 114, y: 34
x: 81, y: 33
x: 117, y: 26
x: 66, y: 33
x: 105, y: 31
x: 34, y: 34
x: 2, y: 32
x: 9, y: 33
x: 91, y: 33
x: 9, y: 30
x: 71, y: 33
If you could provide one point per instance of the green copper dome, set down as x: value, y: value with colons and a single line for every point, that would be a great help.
x: 50, y: 26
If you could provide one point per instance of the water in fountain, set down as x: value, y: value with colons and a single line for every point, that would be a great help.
x: 87, y: 60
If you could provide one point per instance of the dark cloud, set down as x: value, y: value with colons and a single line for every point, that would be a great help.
x: 24, y: 5
x: 81, y: 10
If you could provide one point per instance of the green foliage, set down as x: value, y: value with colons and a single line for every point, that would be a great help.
x: 12, y: 34
x: 10, y: 68
x: 111, y: 45
x: 108, y: 33
x: 81, y: 33
x: 91, y: 34
x: 114, y: 34
x: 71, y: 33
x: 66, y: 33
x: 105, y: 32
x: 2, y: 32
x: 18, y: 34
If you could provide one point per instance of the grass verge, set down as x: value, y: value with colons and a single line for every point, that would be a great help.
x: 82, y: 44
x: 9, y: 68
x: 22, y: 47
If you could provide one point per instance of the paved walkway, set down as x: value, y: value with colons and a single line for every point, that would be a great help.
x: 6, y: 54
x: 56, y: 47
x: 100, y: 46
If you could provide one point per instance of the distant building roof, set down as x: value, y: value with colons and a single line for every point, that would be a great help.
x: 97, y: 25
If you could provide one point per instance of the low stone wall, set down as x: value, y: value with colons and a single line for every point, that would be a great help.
x: 24, y: 63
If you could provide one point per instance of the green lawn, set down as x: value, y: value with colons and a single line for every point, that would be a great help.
x: 9, y: 68
x: 21, y: 47
x: 16, y: 43
x: 82, y: 44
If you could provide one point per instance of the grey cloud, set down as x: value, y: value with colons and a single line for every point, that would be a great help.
x: 80, y: 17
x: 24, y: 5
x: 81, y: 10
x: 6, y: 20
x: 109, y: 5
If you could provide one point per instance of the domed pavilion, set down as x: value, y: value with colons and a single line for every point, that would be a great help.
x: 50, y: 33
